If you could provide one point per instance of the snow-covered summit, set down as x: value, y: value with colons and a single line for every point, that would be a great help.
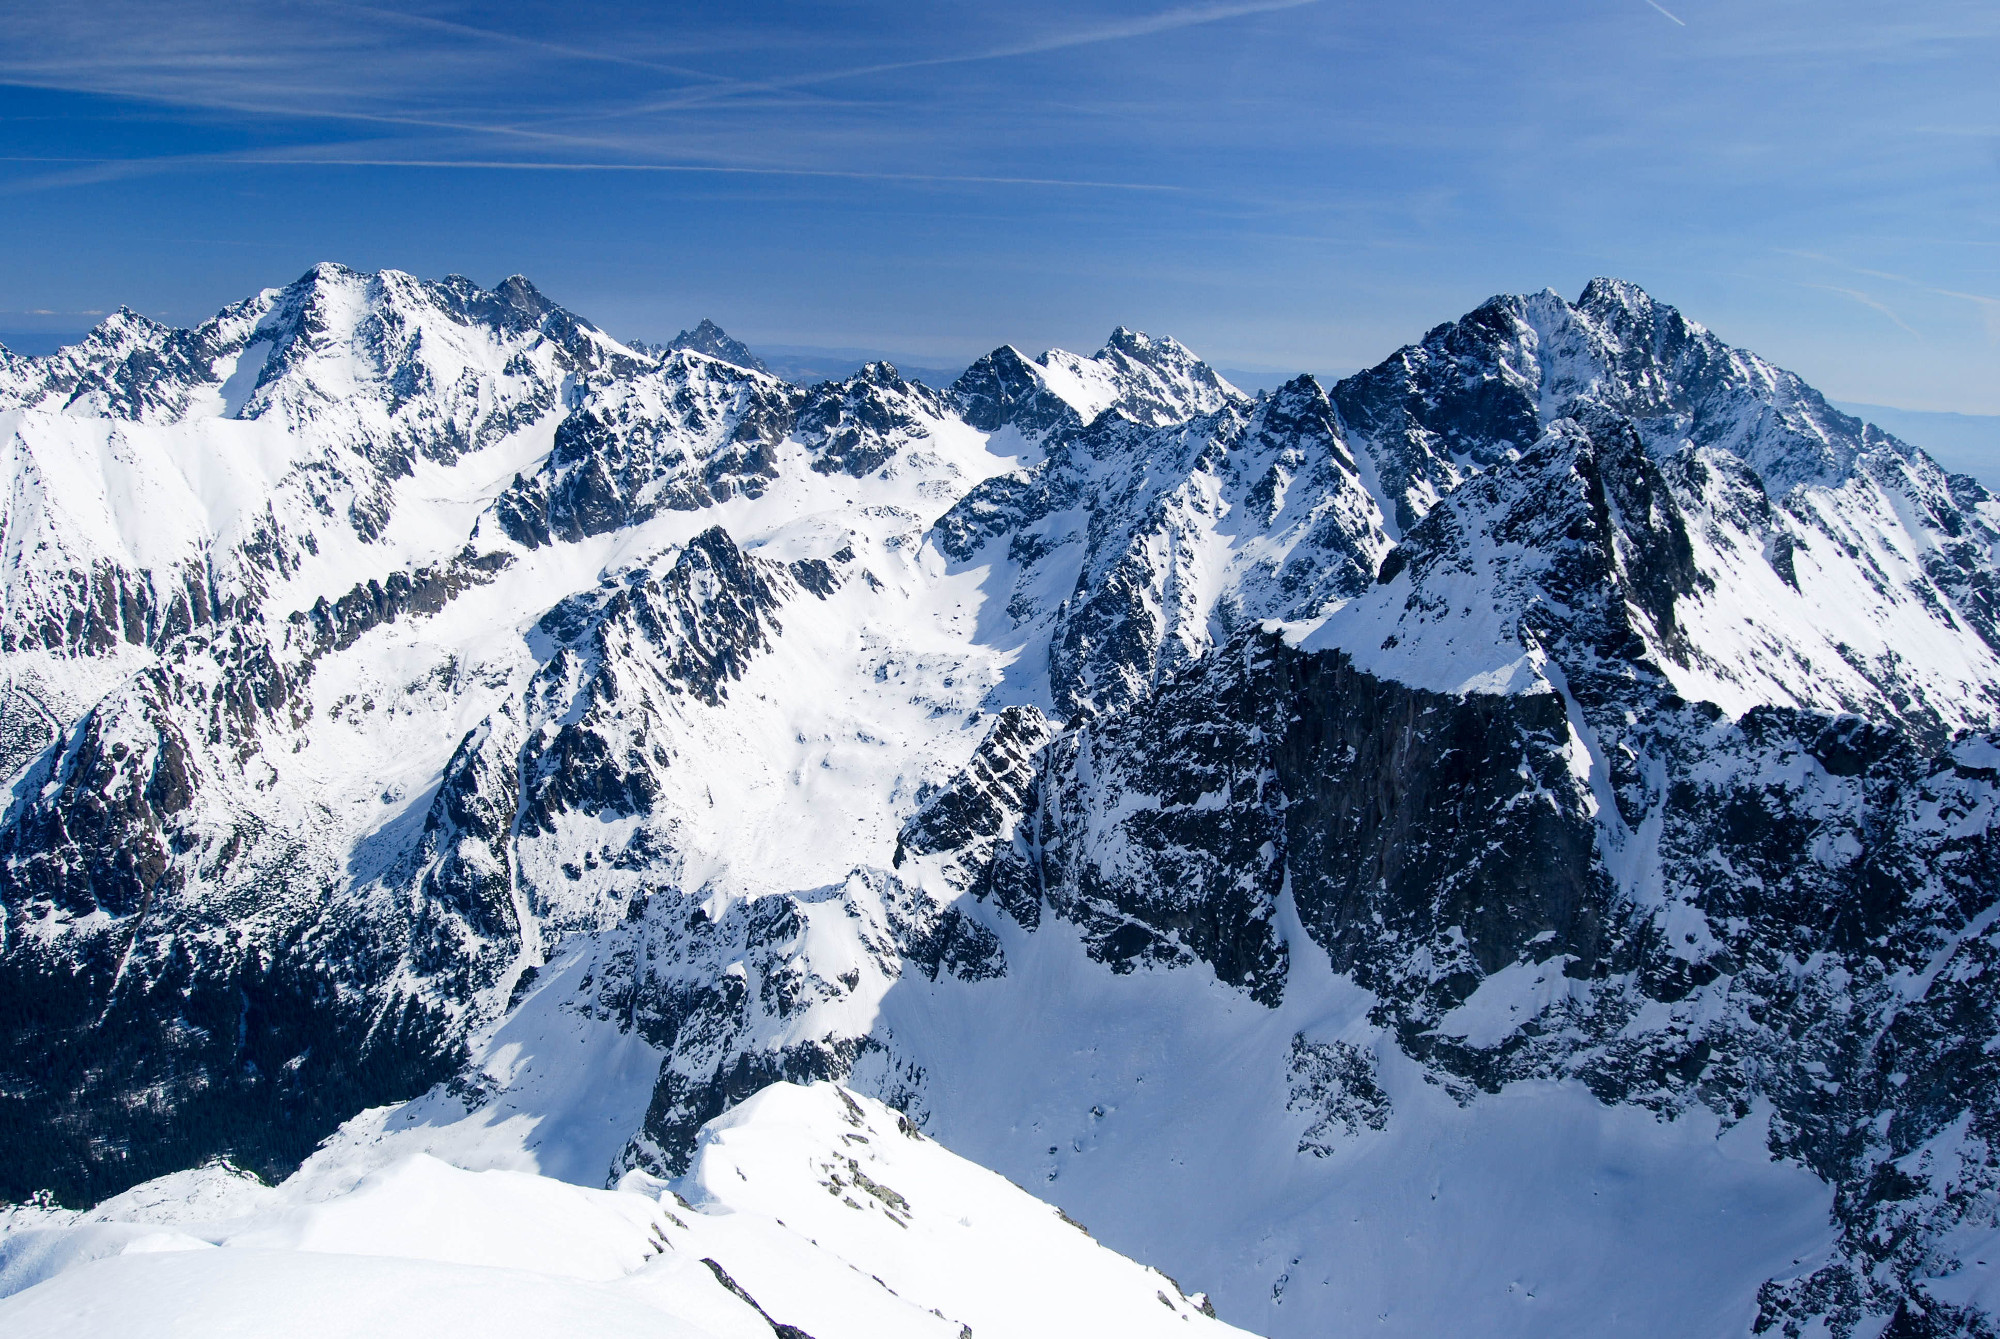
x: 335, y: 336
x: 1152, y: 382
x: 1477, y: 389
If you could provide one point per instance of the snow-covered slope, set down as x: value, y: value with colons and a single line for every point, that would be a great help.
x: 309, y: 440
x: 809, y: 1211
x: 1411, y: 851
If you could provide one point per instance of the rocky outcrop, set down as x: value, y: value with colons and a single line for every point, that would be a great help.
x: 1004, y: 389
x: 857, y: 426
x: 711, y: 339
x: 693, y: 433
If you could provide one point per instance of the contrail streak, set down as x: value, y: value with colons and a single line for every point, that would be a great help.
x: 106, y: 169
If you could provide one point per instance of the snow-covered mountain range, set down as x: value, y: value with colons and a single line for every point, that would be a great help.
x: 1504, y: 843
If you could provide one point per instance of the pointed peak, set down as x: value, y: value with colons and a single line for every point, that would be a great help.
x: 1005, y: 356
x: 1142, y: 345
x: 1301, y: 405
x: 1604, y: 293
x: 519, y: 287
x: 711, y: 339
x: 1158, y: 351
x: 326, y: 272
x: 715, y: 543
x: 1006, y: 386
x: 520, y: 300
x: 1303, y: 386
x: 125, y: 322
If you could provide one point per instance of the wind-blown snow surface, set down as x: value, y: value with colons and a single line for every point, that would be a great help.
x: 809, y: 1208
x: 1389, y: 855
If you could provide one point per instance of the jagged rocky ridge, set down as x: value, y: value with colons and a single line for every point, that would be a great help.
x: 1587, y: 692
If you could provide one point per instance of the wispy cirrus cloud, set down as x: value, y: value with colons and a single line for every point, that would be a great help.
x: 92, y: 171
x: 1869, y: 302
x: 448, y: 91
x: 292, y: 59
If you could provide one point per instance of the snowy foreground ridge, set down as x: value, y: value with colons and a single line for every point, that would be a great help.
x: 806, y: 1210
x: 507, y: 829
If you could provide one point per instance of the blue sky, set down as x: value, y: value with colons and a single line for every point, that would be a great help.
x: 1294, y: 185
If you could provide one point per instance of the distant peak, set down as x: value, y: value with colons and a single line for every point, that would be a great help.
x: 125, y: 319
x: 519, y: 285
x: 1004, y: 356
x: 1305, y: 385
x: 881, y: 372
x: 1605, y: 292
x: 1154, y: 350
x: 711, y: 339
x: 324, y: 272
x: 1134, y: 341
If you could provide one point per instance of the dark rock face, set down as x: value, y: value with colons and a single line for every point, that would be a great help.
x: 1004, y: 389
x: 1424, y: 827
x: 1418, y: 829
x: 622, y: 455
x: 1334, y: 1082
x: 666, y: 969
x: 859, y: 425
